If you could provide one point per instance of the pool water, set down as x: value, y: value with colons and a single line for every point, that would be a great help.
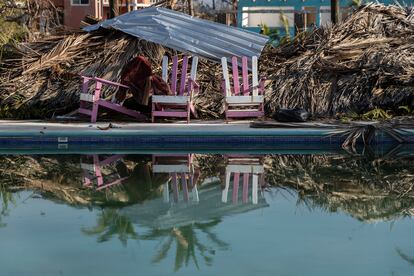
x: 207, y: 214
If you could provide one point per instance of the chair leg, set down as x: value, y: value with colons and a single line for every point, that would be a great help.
x: 152, y: 112
x: 188, y: 113
x: 226, y: 108
x: 94, y: 115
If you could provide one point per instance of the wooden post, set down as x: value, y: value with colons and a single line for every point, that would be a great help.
x: 234, y: 4
x: 190, y: 7
x: 111, y: 8
x: 335, y: 11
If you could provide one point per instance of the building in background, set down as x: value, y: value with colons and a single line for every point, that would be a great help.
x: 298, y: 15
x: 76, y: 10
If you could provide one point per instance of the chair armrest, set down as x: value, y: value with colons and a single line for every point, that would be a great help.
x: 85, y: 83
x: 107, y: 82
x: 86, y: 78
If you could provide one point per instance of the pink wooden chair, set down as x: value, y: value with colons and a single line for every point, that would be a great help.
x: 244, y: 99
x: 180, y: 103
x: 180, y: 168
x: 93, y: 172
x: 251, y: 170
x: 90, y: 102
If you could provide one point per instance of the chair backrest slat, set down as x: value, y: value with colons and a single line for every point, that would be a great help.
x: 174, y: 74
x: 245, y: 73
x: 255, y: 188
x: 236, y: 180
x: 183, y: 85
x: 184, y: 186
x: 246, y: 177
x: 194, y: 64
x: 246, y: 88
x: 236, y: 82
x: 174, y: 186
x: 165, y: 69
x: 226, y: 76
x: 255, y: 77
x: 183, y: 80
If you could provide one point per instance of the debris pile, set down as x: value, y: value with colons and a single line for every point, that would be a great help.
x: 365, y: 62
x: 42, y: 78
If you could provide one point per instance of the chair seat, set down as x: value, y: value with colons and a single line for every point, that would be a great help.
x: 86, y: 97
x: 245, y: 168
x: 170, y: 99
x: 244, y: 99
x: 183, y: 168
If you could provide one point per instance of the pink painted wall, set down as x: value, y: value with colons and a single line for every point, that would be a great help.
x: 74, y: 14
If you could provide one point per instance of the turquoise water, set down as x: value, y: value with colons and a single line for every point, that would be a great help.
x: 310, y: 215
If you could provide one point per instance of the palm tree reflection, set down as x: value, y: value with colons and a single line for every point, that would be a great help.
x: 110, y: 223
x: 186, y: 223
x: 6, y: 198
x: 188, y: 245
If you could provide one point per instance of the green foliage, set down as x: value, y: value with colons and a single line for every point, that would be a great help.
x: 356, y: 3
x: 285, y: 22
x: 10, y: 32
x: 377, y: 114
x: 406, y: 109
x: 274, y: 35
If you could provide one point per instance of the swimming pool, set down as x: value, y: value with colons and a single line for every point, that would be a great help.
x: 204, y: 213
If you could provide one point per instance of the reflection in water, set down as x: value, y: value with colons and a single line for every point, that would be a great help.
x: 188, y: 245
x: 191, y: 205
x: 369, y: 188
x: 6, y: 198
x: 110, y: 223
x: 404, y: 256
x: 95, y: 172
x: 180, y: 200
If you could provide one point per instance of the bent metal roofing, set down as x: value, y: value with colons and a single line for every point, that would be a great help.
x: 185, y: 33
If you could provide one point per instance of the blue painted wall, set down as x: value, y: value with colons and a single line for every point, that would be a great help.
x: 298, y: 5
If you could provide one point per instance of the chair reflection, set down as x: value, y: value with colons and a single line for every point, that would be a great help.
x: 247, y: 168
x: 181, y: 170
x: 101, y: 171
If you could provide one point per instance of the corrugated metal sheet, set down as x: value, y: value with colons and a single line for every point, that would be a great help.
x: 184, y: 33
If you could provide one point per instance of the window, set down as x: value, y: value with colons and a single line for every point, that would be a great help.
x: 310, y: 16
x: 80, y: 2
x: 325, y: 15
x: 256, y: 16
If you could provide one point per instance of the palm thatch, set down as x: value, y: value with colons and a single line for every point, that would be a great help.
x: 364, y: 62
x: 42, y: 78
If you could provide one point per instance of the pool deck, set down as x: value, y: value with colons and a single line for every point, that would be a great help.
x: 237, y: 134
